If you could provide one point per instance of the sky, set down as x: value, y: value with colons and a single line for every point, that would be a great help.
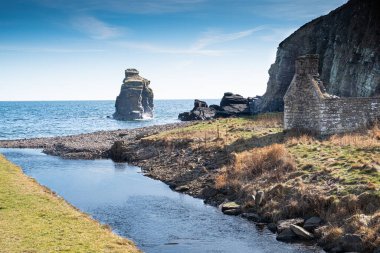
x: 78, y: 50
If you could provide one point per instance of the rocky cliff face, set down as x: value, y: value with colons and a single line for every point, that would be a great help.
x: 348, y: 43
x: 135, y: 100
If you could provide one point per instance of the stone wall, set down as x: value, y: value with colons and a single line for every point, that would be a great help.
x: 307, y: 106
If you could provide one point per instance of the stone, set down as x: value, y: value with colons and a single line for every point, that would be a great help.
x: 284, y: 224
x: 231, y: 208
x: 252, y: 217
x: 230, y: 105
x: 286, y: 235
x: 301, y: 232
x: 233, y: 104
x: 348, y: 47
x: 232, y: 212
x: 201, y: 113
x: 351, y: 243
x: 135, y: 100
x: 259, y: 198
x: 199, y: 103
x: 308, y: 107
x: 312, y: 223
x: 182, y: 188
x: 272, y: 227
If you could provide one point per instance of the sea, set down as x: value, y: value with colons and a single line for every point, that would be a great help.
x: 20, y: 120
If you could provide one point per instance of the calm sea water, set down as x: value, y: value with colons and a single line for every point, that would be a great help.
x: 56, y: 118
x: 158, y: 219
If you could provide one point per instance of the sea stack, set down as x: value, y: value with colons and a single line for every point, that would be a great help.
x: 135, y: 100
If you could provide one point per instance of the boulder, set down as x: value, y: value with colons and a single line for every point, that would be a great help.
x: 231, y: 208
x: 202, y: 113
x: 230, y: 105
x: 312, y: 223
x: 284, y: 224
x: 351, y: 243
x: 302, y: 233
x: 233, y: 104
x: 272, y: 227
x: 182, y: 188
x: 286, y: 235
x: 252, y: 217
x: 199, y: 104
x: 135, y: 100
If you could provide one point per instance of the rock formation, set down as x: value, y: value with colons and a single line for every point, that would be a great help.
x: 348, y: 43
x: 233, y: 104
x: 135, y: 100
x: 230, y: 105
x: 201, y: 111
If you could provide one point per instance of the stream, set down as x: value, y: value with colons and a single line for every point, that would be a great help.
x: 144, y: 210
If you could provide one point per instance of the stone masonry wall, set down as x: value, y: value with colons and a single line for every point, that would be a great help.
x: 338, y: 115
x: 308, y: 107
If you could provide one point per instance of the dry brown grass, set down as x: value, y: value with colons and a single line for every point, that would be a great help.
x: 301, y: 139
x: 368, y: 139
x: 273, y: 159
x: 330, y: 234
x: 264, y: 166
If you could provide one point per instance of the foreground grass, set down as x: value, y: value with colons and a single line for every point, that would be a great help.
x: 33, y: 219
x: 336, y: 177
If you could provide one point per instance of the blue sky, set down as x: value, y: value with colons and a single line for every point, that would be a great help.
x: 78, y: 50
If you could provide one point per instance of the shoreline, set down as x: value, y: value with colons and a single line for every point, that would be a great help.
x: 95, y: 145
x: 191, y: 157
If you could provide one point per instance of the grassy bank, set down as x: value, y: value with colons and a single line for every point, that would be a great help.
x: 33, y: 219
x: 336, y: 178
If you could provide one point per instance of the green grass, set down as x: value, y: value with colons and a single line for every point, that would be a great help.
x: 33, y: 219
x: 335, y: 177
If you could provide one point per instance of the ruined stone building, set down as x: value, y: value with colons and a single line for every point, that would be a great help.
x: 307, y: 106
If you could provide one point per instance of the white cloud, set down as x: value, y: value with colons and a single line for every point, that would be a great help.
x: 199, y: 47
x: 95, y: 28
x: 211, y: 38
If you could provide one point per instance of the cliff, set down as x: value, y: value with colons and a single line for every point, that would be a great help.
x: 135, y: 100
x: 348, y: 43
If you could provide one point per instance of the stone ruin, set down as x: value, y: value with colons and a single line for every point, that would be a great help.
x: 308, y: 106
x: 135, y: 100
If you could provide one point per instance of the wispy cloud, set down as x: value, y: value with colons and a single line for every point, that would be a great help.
x: 126, y: 6
x: 199, y: 47
x: 212, y: 38
x: 8, y: 48
x: 95, y: 28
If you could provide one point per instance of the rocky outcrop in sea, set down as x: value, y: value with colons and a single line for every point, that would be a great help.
x: 347, y: 40
x: 230, y: 105
x: 135, y: 100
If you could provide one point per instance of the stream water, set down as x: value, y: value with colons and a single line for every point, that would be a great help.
x: 146, y: 210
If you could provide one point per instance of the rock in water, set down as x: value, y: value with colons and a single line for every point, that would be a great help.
x: 135, y: 100
x: 201, y: 111
x: 347, y: 41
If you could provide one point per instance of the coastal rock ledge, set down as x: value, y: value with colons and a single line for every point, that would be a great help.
x: 135, y: 100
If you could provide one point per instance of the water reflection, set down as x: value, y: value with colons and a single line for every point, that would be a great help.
x: 146, y: 210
